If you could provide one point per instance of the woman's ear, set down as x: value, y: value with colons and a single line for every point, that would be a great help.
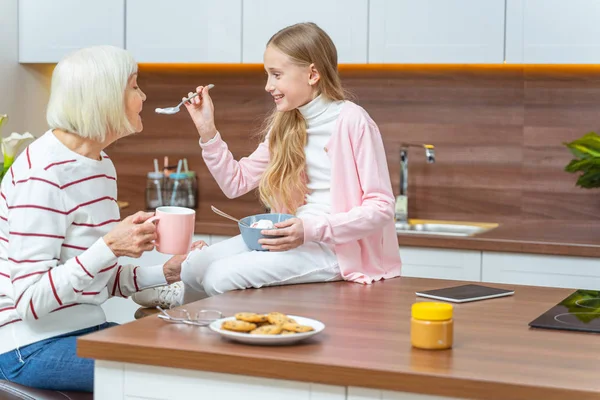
x: 314, y: 76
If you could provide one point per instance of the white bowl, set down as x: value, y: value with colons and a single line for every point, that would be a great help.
x: 269, y: 340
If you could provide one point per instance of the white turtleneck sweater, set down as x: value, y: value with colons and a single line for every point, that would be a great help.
x: 320, y: 115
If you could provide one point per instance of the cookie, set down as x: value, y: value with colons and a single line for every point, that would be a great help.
x: 288, y: 332
x: 251, y: 317
x: 267, y: 330
x: 278, y: 318
x: 294, y: 327
x: 238, y: 326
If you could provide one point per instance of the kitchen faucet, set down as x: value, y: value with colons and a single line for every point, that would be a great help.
x: 401, y: 212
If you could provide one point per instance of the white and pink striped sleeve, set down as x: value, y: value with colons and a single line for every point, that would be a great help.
x: 38, y: 222
x: 129, y: 279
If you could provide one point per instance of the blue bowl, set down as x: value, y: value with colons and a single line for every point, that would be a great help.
x: 251, y: 236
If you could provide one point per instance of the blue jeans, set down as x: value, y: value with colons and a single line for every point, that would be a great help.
x: 52, y: 364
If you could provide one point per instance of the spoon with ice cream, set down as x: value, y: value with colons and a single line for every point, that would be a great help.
x: 175, y: 110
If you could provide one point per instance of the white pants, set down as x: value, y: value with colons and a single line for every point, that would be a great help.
x: 231, y: 265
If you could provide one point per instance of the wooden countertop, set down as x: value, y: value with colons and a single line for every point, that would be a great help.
x: 567, y: 238
x: 366, y: 343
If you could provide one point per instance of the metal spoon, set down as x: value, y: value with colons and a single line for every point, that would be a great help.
x: 175, y: 110
x: 222, y: 214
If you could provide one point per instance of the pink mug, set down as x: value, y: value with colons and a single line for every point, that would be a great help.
x: 174, y: 229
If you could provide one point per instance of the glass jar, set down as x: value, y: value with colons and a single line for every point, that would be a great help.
x: 154, y: 190
x: 192, y: 189
x: 432, y: 326
x: 176, y: 193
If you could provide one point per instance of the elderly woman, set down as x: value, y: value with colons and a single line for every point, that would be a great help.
x: 60, y: 235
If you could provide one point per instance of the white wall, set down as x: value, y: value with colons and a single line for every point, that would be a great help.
x: 24, y: 89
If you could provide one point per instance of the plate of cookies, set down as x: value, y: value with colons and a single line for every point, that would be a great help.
x: 273, y: 328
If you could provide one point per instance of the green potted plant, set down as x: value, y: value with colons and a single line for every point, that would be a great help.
x: 587, y: 160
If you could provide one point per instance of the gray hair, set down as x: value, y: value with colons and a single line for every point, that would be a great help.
x: 87, y: 95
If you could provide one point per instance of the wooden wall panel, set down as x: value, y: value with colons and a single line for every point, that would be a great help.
x: 498, y: 132
x: 561, y: 104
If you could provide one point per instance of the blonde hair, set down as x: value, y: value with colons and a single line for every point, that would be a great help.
x: 283, y: 184
x: 87, y: 95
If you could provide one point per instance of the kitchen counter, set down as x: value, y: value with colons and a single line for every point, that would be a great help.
x: 566, y: 238
x: 366, y: 344
x: 551, y: 237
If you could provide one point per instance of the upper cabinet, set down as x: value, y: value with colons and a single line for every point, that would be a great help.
x: 436, y: 31
x: 364, y: 31
x: 184, y: 31
x: 553, y: 31
x: 344, y: 20
x: 49, y: 30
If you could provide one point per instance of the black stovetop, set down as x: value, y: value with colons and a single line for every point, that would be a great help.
x: 578, y: 312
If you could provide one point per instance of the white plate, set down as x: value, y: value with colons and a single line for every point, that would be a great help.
x: 268, y: 340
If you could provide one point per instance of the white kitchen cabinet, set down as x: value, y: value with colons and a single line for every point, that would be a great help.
x: 344, y: 20
x: 356, y: 393
x: 513, y: 46
x: 423, y: 262
x: 552, y: 31
x: 49, y: 30
x: 141, y: 382
x: 126, y: 381
x: 185, y: 31
x: 436, y: 31
x: 541, y: 270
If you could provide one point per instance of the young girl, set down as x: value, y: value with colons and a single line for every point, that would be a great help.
x: 322, y: 159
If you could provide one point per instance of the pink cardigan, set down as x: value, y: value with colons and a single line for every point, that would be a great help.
x: 361, y: 223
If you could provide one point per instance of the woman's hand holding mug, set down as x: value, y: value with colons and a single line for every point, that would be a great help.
x: 132, y: 237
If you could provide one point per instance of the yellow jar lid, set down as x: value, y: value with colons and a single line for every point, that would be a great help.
x: 430, y: 311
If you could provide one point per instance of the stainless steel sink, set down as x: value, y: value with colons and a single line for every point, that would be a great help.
x: 443, y: 228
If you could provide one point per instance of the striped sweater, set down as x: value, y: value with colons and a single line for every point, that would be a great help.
x: 55, y: 269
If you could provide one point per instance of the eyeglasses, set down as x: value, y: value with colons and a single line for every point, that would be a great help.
x: 182, y: 316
